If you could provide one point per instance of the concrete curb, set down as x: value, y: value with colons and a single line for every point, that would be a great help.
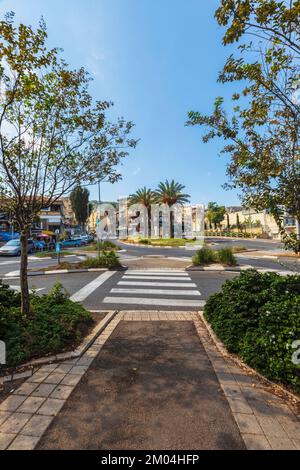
x: 222, y: 349
x: 75, y: 353
x: 66, y: 271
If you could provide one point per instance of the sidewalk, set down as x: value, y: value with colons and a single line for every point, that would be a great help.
x: 152, y: 380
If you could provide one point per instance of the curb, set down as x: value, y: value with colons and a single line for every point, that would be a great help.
x: 67, y: 271
x: 75, y: 353
x: 222, y: 349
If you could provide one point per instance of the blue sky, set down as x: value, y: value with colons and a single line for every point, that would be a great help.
x: 156, y: 59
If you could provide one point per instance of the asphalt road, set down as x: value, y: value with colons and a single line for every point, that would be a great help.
x: 172, y: 292
x: 152, y: 387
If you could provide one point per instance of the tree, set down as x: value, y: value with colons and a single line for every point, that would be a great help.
x: 227, y: 221
x: 215, y: 214
x: 146, y: 197
x: 80, y: 204
x: 262, y: 132
x: 53, y: 136
x: 170, y: 193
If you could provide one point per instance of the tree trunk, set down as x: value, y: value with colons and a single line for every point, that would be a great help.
x: 149, y: 221
x: 298, y: 233
x: 23, y: 274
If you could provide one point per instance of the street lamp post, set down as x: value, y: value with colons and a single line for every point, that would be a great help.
x: 99, y: 221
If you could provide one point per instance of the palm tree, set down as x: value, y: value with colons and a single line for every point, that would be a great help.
x: 146, y: 197
x: 171, y: 193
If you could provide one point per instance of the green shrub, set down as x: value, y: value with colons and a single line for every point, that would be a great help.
x: 108, y: 245
x: 257, y: 316
x: 55, y: 323
x: 204, y: 256
x: 226, y: 256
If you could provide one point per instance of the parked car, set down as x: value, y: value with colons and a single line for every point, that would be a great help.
x: 82, y: 238
x: 13, y: 248
x: 70, y: 243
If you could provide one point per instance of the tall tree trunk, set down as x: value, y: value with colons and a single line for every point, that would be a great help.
x: 149, y: 221
x: 23, y: 273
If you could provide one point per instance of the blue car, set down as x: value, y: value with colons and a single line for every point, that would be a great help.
x: 70, y: 243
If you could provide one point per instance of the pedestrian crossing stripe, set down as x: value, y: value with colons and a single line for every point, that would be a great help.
x: 154, y: 301
x: 157, y: 284
x: 155, y: 291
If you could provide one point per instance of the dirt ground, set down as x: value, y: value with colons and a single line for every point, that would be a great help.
x: 152, y: 387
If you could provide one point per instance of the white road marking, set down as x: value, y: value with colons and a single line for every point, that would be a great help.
x: 156, y: 284
x: 168, y: 278
x: 157, y: 273
x: 83, y: 293
x: 145, y: 301
x: 18, y: 289
x: 12, y: 273
x: 154, y: 291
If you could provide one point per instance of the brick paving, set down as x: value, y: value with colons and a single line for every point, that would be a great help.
x: 264, y: 420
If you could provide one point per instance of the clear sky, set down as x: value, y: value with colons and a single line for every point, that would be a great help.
x: 156, y: 59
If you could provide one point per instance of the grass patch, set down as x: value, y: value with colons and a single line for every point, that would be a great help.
x: 162, y: 241
x: 226, y: 257
x: 109, y: 260
x: 256, y: 315
x: 206, y: 256
x: 105, y: 245
x: 55, y: 324
x: 52, y: 254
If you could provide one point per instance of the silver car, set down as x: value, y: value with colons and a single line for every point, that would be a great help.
x: 13, y: 248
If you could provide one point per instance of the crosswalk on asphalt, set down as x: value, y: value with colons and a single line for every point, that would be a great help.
x: 155, y: 288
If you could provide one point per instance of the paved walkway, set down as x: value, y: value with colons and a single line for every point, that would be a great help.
x: 154, y: 385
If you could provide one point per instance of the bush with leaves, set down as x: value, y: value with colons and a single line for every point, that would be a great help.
x: 107, y: 259
x: 257, y: 317
x: 204, y: 256
x: 54, y: 324
x: 226, y: 256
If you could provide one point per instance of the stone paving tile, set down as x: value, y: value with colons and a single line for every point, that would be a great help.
x: 5, y: 440
x: 31, y: 405
x: 226, y: 379
x: 24, y: 443
x: 84, y: 361
x: 281, y: 443
x: 12, y: 402
x: 48, y: 368
x: 296, y: 443
x: 55, y: 378
x: 291, y: 426
x: 15, y: 423
x: 239, y: 405
x: 271, y: 427
x: 245, y: 380
x: 3, y: 416
x: 247, y: 424
x: 231, y: 390
x: 36, y: 426
x: 256, y: 442
x: 26, y: 388
x: 78, y: 370
x: 51, y: 407
x: 63, y: 368
x: 71, y: 380
x: 62, y: 392
x: 38, y: 377
x: 43, y: 390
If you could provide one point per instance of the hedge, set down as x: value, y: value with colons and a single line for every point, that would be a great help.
x: 257, y: 316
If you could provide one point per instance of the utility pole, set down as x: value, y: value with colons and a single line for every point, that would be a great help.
x: 99, y: 221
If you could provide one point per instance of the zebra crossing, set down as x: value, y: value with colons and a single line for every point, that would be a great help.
x: 155, y: 287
